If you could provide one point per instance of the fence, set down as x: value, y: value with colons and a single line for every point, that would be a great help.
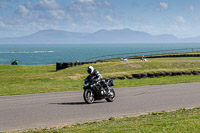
x: 139, y: 54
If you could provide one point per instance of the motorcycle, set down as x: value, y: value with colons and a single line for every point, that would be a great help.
x: 100, y: 90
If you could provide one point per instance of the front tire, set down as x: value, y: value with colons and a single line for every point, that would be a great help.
x: 112, y: 97
x: 88, y: 96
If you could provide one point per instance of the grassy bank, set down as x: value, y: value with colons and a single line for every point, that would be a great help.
x: 183, y: 120
x: 27, y: 79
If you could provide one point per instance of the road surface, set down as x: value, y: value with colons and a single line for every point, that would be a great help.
x: 50, y: 109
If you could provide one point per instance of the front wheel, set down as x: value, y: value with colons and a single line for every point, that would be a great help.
x: 88, y: 96
x: 112, y: 96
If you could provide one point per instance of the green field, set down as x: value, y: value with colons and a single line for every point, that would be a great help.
x: 30, y: 79
x: 180, y: 121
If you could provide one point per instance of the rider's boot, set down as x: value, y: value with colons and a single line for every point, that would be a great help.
x: 108, y: 91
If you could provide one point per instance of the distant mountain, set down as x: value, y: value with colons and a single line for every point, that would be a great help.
x: 167, y: 38
x: 102, y: 36
x: 120, y: 36
x: 47, y: 37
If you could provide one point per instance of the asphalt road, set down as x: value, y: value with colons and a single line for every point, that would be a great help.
x: 51, y: 109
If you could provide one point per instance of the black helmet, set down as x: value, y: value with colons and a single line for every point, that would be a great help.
x: 90, y: 69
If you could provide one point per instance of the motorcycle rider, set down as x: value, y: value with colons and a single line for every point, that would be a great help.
x: 96, y: 76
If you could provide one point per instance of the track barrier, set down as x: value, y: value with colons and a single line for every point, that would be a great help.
x: 63, y: 65
x: 158, y: 74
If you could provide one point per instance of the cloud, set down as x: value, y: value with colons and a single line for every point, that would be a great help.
x: 163, y: 6
x: 44, y: 5
x: 81, y: 7
x: 59, y: 14
x: 83, y: 1
x: 40, y: 10
x: 22, y: 11
x: 76, y: 15
x: 79, y: 12
x: 177, y: 29
x: 109, y: 18
x: 180, y: 19
x: 107, y: 3
x: 90, y: 13
x: 5, y: 26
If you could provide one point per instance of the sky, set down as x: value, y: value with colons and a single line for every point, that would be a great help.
x: 178, y: 17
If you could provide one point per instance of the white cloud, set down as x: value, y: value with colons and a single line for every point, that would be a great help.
x: 146, y: 27
x: 91, y: 1
x: 107, y: 3
x: 88, y: 13
x: 35, y: 11
x: 81, y: 7
x: 74, y: 25
x: 43, y: 5
x: 49, y: 4
x: 22, y: 10
x: 79, y: 15
x: 59, y: 14
x: 178, y: 30
x: 79, y: 12
x: 164, y: 5
x: 180, y: 19
x: 5, y: 26
x: 109, y: 18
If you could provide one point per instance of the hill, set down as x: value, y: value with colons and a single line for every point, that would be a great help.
x: 102, y: 36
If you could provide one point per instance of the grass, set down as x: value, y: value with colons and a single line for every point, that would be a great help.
x: 180, y: 58
x: 158, y: 55
x: 30, y: 79
x: 179, y: 121
x: 157, y: 81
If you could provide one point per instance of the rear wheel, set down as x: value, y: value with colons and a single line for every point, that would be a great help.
x: 88, y: 96
x: 112, y: 96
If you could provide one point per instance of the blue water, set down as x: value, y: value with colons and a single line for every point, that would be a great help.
x: 50, y: 54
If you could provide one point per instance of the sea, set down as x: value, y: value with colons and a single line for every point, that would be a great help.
x: 44, y: 54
